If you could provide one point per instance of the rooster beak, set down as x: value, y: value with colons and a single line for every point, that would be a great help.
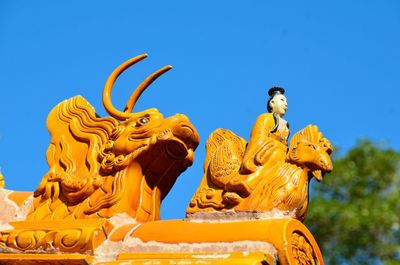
x: 317, y: 174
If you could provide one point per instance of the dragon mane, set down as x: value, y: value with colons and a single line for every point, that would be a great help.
x: 78, y: 149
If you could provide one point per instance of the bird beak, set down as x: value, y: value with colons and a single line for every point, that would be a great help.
x: 317, y: 174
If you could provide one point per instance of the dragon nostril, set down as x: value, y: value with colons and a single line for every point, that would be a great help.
x: 186, y: 132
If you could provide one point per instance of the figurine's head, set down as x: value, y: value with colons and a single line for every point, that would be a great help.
x: 277, y: 102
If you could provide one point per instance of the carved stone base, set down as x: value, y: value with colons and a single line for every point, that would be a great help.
x: 270, y: 241
x: 233, y: 258
x: 292, y: 240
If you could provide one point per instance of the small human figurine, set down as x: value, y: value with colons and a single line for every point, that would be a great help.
x: 265, y: 174
x: 268, y: 139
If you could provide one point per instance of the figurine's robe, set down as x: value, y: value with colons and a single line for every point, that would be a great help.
x: 267, y: 145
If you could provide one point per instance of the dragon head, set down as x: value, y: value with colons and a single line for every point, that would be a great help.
x: 162, y: 146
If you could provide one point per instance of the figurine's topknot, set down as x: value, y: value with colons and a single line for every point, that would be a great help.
x: 276, y: 90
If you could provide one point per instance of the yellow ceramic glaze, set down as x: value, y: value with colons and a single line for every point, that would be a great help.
x: 99, y: 203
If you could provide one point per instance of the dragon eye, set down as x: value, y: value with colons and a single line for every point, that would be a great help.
x: 144, y: 120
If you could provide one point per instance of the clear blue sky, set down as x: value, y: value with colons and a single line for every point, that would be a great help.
x: 338, y: 60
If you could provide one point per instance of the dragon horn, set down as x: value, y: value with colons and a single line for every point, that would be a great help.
x: 135, y: 95
x: 110, y: 83
x: 139, y: 90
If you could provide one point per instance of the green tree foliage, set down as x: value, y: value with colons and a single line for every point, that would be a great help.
x: 354, y: 213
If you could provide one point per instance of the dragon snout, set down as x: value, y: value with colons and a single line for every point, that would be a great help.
x: 185, y: 131
x: 189, y: 135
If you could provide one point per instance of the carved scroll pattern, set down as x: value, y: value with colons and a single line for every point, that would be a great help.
x: 67, y: 240
x: 302, y: 250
